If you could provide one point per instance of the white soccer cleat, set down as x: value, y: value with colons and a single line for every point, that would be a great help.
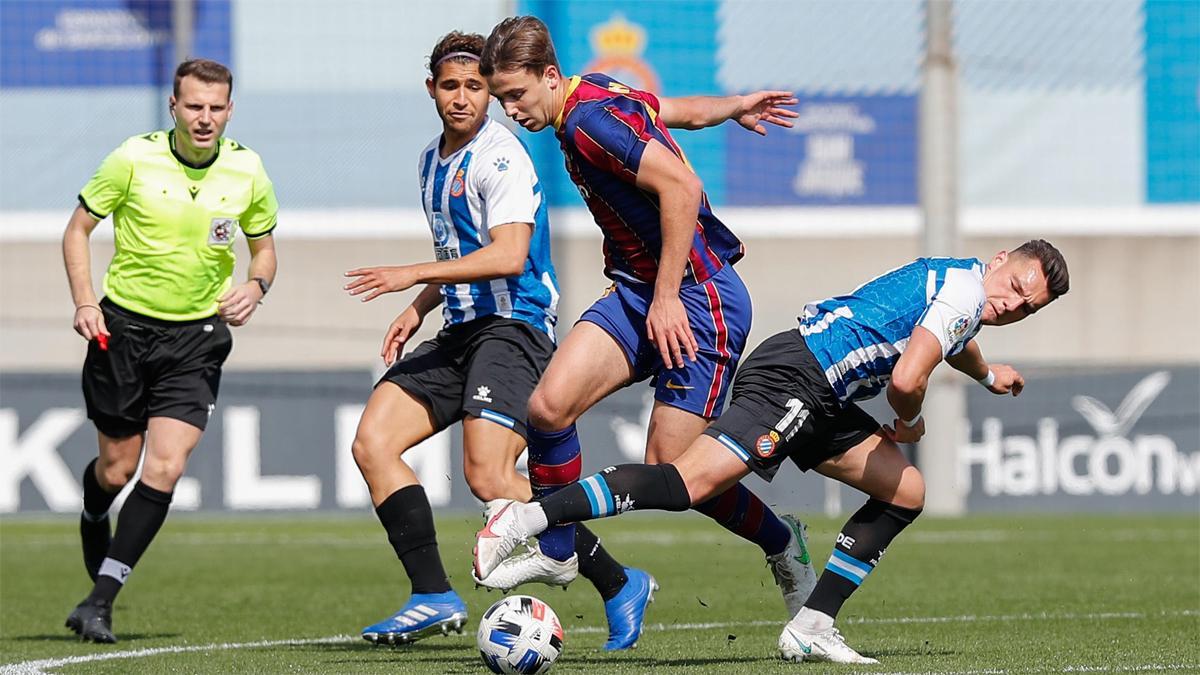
x: 828, y: 646
x: 532, y: 566
x: 497, y: 539
x: 792, y: 568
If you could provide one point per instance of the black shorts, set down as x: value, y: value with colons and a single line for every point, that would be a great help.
x: 153, y: 368
x: 486, y: 367
x: 783, y: 407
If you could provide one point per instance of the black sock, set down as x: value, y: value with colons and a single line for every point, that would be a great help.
x: 141, y: 517
x: 596, y: 565
x: 618, y: 489
x: 860, y: 545
x: 96, y: 501
x: 408, y: 519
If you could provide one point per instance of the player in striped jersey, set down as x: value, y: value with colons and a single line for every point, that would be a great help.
x: 494, y: 278
x: 795, y: 399
x: 677, y: 312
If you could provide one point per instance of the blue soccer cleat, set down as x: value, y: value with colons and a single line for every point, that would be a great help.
x: 425, y: 614
x: 627, y: 609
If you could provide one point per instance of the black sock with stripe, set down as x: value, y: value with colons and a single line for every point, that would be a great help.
x: 860, y: 545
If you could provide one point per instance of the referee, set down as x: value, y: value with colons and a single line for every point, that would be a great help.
x: 158, y: 338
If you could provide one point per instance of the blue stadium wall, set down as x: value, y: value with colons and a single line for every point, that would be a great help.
x: 1092, y: 113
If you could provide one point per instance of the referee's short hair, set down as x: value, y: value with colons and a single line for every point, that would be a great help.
x: 205, y: 70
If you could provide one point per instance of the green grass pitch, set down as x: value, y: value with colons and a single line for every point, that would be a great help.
x: 996, y: 594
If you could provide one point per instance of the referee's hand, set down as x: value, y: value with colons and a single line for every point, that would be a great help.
x: 238, y: 303
x: 89, y: 322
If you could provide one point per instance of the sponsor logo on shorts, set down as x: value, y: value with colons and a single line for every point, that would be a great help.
x: 220, y: 232
x: 672, y: 384
x: 765, y: 445
x: 483, y: 394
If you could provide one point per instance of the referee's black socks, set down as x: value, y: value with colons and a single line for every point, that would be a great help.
x: 96, y: 500
x: 408, y: 519
x: 141, y: 517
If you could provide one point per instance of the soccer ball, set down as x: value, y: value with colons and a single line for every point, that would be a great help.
x: 519, y: 634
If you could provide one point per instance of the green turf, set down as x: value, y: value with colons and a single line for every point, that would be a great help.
x: 1005, y: 594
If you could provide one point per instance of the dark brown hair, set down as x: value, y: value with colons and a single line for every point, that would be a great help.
x: 1058, y: 280
x: 518, y: 42
x: 454, y: 41
x: 205, y: 70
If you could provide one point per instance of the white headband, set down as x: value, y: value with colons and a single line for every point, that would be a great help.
x: 456, y: 55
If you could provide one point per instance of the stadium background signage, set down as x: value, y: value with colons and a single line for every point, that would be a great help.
x: 281, y: 441
x: 102, y: 43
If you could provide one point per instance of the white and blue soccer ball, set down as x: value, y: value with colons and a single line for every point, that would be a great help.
x: 519, y: 634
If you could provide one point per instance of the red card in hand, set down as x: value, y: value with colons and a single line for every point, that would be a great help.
x: 102, y: 340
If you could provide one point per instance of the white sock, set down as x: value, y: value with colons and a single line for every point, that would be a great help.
x: 812, y: 621
x: 531, y: 518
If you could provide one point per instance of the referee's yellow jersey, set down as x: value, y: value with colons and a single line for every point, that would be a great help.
x: 175, y: 225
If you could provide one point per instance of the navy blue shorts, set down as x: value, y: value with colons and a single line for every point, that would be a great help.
x: 719, y: 312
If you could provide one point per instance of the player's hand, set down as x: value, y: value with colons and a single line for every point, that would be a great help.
x: 380, y: 280
x: 765, y: 106
x: 900, y: 433
x: 89, y: 322
x: 402, y: 328
x: 239, y: 303
x: 667, y: 328
x: 1007, y: 381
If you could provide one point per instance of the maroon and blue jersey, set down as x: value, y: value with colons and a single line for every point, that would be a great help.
x: 603, y: 129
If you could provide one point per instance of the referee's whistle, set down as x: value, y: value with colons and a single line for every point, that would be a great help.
x: 102, y: 340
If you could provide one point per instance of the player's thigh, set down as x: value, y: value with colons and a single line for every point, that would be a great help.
x: 588, y: 366
x: 169, y: 443
x: 719, y: 314
x: 878, y: 467
x: 708, y: 468
x: 393, y: 421
x: 671, y: 431
x: 490, y: 452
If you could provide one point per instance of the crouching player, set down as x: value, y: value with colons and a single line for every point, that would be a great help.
x: 494, y: 275
x: 795, y: 398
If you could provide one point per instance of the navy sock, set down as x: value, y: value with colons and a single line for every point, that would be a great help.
x: 741, y: 512
x: 554, y: 462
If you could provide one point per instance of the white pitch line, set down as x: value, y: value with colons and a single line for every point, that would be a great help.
x: 39, y: 667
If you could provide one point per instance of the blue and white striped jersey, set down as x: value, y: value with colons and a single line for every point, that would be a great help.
x: 858, y: 338
x: 488, y: 182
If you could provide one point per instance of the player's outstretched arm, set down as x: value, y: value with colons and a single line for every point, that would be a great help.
x: 240, y: 301
x: 749, y: 110
x: 77, y: 258
x: 997, y: 377
x: 679, y: 193
x: 505, y: 256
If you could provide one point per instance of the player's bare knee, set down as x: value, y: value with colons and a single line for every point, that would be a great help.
x: 487, y: 485
x: 911, y: 492
x: 547, y: 413
x: 115, y: 475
